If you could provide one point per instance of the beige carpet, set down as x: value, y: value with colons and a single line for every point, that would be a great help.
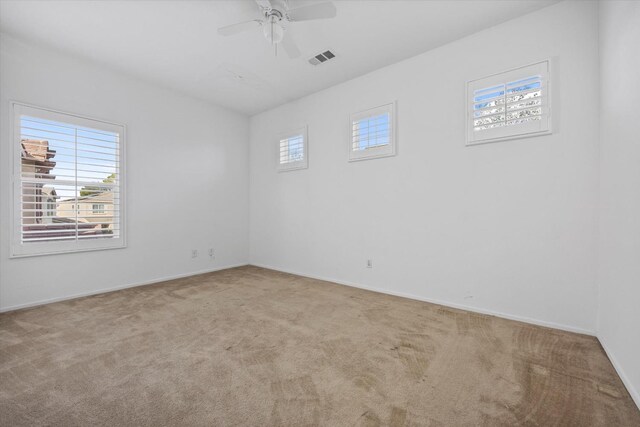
x: 254, y: 347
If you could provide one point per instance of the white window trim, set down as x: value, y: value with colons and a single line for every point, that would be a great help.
x: 388, y: 150
x: 20, y: 250
x: 297, y: 165
x: 470, y: 141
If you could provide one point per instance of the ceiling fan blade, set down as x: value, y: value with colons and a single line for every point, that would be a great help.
x: 313, y: 11
x: 265, y: 4
x: 290, y: 46
x: 240, y: 27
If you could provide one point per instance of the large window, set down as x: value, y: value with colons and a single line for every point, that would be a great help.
x: 68, y: 184
x: 292, y: 150
x: 372, y: 133
x: 512, y: 104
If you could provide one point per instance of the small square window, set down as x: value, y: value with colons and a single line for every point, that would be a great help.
x: 372, y: 133
x: 508, y: 105
x: 292, y: 150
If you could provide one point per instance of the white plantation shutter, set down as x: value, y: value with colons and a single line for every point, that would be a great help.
x: 292, y: 150
x: 68, y: 183
x: 509, y: 105
x: 372, y: 133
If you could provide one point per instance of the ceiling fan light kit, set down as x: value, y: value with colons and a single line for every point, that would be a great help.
x: 277, y: 16
x: 273, y: 30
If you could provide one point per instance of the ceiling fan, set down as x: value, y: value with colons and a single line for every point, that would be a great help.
x: 276, y: 18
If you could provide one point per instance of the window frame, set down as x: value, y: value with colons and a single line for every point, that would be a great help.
x: 503, y: 77
x: 19, y: 249
x: 298, y: 164
x: 99, y: 210
x: 388, y: 150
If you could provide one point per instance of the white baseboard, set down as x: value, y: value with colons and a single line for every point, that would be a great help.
x: 635, y: 394
x: 116, y: 288
x: 537, y: 322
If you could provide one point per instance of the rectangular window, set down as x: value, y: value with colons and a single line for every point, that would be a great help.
x: 512, y: 104
x: 372, y: 133
x: 63, y: 165
x: 292, y: 150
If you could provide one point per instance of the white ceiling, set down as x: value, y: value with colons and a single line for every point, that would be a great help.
x: 175, y: 43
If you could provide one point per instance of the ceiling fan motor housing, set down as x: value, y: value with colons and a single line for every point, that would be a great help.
x: 277, y: 17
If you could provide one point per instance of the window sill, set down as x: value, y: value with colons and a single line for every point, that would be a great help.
x: 15, y: 255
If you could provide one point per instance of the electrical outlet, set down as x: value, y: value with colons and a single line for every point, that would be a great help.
x: 369, y: 263
x: 194, y: 253
x: 212, y: 253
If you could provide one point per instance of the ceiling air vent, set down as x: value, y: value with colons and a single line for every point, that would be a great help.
x: 322, y: 57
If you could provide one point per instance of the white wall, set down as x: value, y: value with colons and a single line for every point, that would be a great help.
x: 507, y: 228
x: 187, y: 178
x: 619, y: 272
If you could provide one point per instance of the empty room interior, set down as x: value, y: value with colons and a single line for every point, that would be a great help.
x: 320, y: 213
